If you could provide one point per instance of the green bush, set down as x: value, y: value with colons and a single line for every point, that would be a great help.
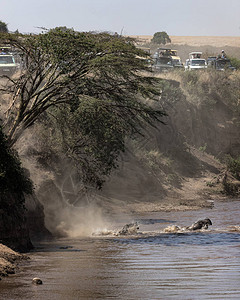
x: 203, y: 148
x: 12, y: 176
x: 235, y: 62
x: 233, y: 165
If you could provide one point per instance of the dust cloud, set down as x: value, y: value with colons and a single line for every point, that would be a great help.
x: 68, y: 209
x: 80, y: 221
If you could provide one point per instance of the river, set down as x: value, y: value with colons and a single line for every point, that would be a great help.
x: 152, y: 265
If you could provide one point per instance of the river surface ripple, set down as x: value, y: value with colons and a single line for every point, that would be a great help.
x: 152, y: 265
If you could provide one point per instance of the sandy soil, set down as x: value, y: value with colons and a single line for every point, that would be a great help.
x: 193, y: 193
x: 216, y: 41
x: 9, y: 260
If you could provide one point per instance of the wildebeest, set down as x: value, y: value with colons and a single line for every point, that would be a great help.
x: 129, y: 229
x: 201, y: 224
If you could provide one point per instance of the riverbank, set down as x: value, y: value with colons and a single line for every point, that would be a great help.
x: 9, y: 260
x: 193, y: 195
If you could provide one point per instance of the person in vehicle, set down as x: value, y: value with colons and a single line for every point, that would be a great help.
x: 223, y: 55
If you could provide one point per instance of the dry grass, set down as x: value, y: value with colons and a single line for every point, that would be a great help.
x: 215, y: 41
x: 209, y: 45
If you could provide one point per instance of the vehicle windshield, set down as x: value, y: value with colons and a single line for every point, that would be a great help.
x: 176, y: 62
x: 164, y: 61
x: 4, y: 59
x: 173, y: 52
x: 199, y: 62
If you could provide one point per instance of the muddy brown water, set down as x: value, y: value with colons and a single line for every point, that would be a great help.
x: 152, y: 265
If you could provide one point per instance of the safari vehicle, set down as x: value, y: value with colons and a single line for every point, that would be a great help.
x: 166, y: 59
x: 162, y: 63
x: 177, y: 63
x: 195, y: 62
x: 210, y: 61
x: 176, y: 60
x: 8, y: 65
x: 220, y: 64
x: 5, y: 50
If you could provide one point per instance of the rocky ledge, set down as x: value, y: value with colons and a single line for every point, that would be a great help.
x: 9, y: 260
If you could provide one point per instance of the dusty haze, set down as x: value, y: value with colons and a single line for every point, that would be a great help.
x: 134, y: 187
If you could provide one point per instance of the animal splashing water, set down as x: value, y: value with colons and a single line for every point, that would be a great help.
x: 128, y: 229
x: 234, y: 228
x: 132, y: 228
x: 200, y: 224
x: 172, y: 229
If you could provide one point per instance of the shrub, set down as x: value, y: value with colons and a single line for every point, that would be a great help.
x: 233, y: 165
x: 12, y: 176
x: 203, y: 148
x: 235, y: 62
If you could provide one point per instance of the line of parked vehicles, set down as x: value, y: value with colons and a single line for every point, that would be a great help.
x: 165, y: 59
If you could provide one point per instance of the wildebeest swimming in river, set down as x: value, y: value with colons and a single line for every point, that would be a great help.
x: 201, y: 224
x: 129, y: 229
x: 132, y: 228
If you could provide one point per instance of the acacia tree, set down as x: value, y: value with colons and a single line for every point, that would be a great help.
x: 91, y: 82
x: 3, y: 27
x: 161, y: 38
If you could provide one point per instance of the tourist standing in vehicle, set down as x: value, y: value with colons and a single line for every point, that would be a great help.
x: 223, y: 54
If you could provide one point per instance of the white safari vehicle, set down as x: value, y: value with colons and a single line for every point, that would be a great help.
x: 195, y: 62
x: 8, y: 65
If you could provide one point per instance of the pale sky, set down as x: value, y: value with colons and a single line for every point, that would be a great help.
x: 129, y: 17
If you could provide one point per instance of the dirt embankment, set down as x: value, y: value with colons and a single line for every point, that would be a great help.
x: 9, y: 260
x: 179, y: 165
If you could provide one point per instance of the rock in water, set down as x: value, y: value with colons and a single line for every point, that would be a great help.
x: 37, y: 280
